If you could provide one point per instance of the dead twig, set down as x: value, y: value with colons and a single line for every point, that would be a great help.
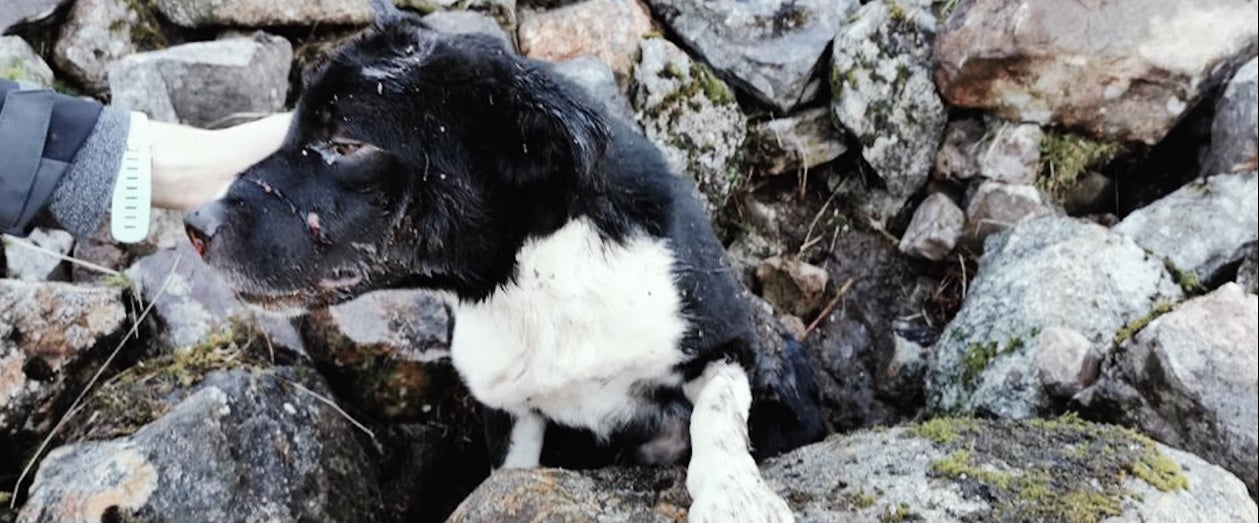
x: 335, y: 407
x: 829, y: 307
x: 82, y: 263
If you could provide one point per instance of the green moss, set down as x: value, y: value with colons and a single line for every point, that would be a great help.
x: 898, y: 12
x: 1187, y: 280
x: 1063, y: 469
x: 1136, y: 325
x: 860, y: 499
x: 672, y: 71
x: 897, y: 514
x: 653, y: 34
x: 1065, y: 157
x: 975, y: 360
x: 15, y: 71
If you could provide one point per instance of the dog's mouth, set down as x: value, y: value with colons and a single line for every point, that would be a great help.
x: 328, y: 291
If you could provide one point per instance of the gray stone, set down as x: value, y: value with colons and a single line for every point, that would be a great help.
x: 610, y: 30
x: 502, y: 11
x: 997, y: 206
x: 166, y: 231
x: 1188, y: 379
x: 1011, y: 153
x: 1049, y: 272
x: 203, y: 82
x: 1201, y: 228
x: 1248, y: 272
x: 1047, y: 61
x: 854, y: 344
x: 883, y: 94
x: 904, y: 474
x: 792, y: 285
x: 19, y: 62
x: 23, y: 11
x: 600, y: 84
x: 391, y: 350
x: 692, y: 116
x: 766, y: 48
x: 1235, y: 130
x: 95, y: 34
x: 1066, y: 363
x: 468, y: 22
x: 796, y: 143
x: 49, y: 334
x: 239, y: 445
x: 956, y: 157
x: 261, y: 13
x: 45, y: 264
x: 934, y: 230
x: 193, y: 303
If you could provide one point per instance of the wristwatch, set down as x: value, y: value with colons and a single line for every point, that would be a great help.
x: 132, y: 203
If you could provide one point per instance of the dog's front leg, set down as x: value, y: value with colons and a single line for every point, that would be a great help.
x: 722, y: 477
x: 524, y: 444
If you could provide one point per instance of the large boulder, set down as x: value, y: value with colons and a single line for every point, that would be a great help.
x: 19, y: 62
x: 51, y: 336
x: 18, y: 12
x: 218, y: 439
x: 692, y: 116
x: 610, y: 30
x: 599, y: 81
x: 1122, y: 70
x: 260, y: 13
x: 881, y: 85
x: 202, y: 83
x: 1235, y: 130
x: 1042, y: 287
x: 766, y: 48
x: 944, y: 470
x: 1202, y: 228
x: 97, y: 33
x: 1187, y: 378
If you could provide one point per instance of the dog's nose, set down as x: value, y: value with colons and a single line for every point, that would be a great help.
x: 202, y: 224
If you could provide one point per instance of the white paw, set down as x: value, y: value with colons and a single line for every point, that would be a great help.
x: 740, y: 502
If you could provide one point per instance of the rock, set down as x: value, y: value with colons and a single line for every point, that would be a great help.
x: 46, y: 265
x: 52, y: 335
x: 261, y: 13
x: 600, y: 84
x: 1011, y: 154
x: 692, y: 116
x: 1202, y: 228
x: 20, y: 63
x: 19, y: 12
x: 1234, y: 138
x: 502, y: 11
x: 768, y: 49
x: 192, y: 302
x: 1043, y: 273
x: 166, y: 231
x: 203, y: 82
x: 1067, y: 362
x: 464, y: 22
x: 1188, y: 379
x: 997, y: 206
x: 882, y: 91
x: 791, y: 285
x: 610, y: 30
x: 95, y: 34
x: 1248, y: 272
x: 956, y: 158
x: 934, y: 229
x: 1129, y: 79
x: 943, y: 470
x: 390, y: 353
x: 232, y: 445
x: 878, y: 317
x: 796, y: 143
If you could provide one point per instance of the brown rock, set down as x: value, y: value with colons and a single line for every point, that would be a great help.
x: 997, y: 206
x: 609, y: 30
x: 1115, y: 69
x: 934, y: 229
x: 792, y: 285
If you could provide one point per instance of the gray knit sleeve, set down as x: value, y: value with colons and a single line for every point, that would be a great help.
x: 83, y: 195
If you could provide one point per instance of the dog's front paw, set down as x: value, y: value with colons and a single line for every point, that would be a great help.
x: 740, y: 501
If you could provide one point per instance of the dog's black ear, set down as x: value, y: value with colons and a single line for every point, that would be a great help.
x: 562, y: 137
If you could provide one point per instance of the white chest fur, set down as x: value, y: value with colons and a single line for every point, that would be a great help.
x: 583, y: 325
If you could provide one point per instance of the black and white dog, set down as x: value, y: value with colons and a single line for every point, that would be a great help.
x: 592, y: 301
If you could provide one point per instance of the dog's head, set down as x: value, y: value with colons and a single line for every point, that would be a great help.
x: 415, y: 158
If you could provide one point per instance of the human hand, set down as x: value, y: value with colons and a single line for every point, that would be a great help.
x: 192, y: 166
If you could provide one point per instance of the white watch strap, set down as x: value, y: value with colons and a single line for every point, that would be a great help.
x: 133, y: 191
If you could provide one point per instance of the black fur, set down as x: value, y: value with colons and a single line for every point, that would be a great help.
x: 427, y: 160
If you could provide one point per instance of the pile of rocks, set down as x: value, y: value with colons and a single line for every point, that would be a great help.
x: 962, y: 208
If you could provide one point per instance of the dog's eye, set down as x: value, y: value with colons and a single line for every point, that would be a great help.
x: 345, y: 147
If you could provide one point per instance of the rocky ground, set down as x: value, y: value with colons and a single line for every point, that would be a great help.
x: 1018, y: 238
